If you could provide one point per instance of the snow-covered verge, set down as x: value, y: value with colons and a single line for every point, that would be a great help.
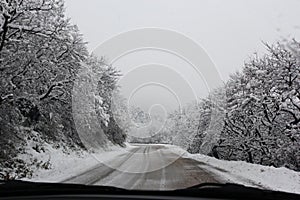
x: 61, y: 162
x: 240, y: 172
x: 68, y: 165
x: 43, y: 161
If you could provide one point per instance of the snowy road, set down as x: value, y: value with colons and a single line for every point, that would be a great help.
x: 157, y: 167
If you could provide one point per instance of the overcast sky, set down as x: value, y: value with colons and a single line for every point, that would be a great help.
x: 228, y: 30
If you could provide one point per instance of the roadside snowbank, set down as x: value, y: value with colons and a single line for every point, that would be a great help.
x: 240, y: 172
x: 55, y: 164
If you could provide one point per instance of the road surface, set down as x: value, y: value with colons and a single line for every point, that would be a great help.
x: 148, y: 167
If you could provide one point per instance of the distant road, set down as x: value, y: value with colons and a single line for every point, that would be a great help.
x: 147, y: 167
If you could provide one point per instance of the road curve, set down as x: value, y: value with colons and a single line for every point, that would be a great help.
x: 146, y: 167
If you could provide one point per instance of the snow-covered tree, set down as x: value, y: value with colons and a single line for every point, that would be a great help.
x: 262, y: 120
x: 261, y: 113
x: 41, y: 53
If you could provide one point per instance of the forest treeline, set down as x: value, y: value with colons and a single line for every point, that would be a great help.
x: 41, y: 52
x: 260, y: 112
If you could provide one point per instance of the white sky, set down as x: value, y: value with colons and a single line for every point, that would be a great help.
x: 229, y: 30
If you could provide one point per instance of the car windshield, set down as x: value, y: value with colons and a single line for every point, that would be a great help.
x: 151, y: 95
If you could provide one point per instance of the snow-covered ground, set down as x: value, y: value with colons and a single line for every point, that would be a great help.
x: 240, y: 172
x: 281, y: 179
x: 63, y: 162
x: 65, y: 165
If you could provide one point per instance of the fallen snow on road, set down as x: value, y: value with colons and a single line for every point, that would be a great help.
x: 67, y: 164
x: 240, y: 172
